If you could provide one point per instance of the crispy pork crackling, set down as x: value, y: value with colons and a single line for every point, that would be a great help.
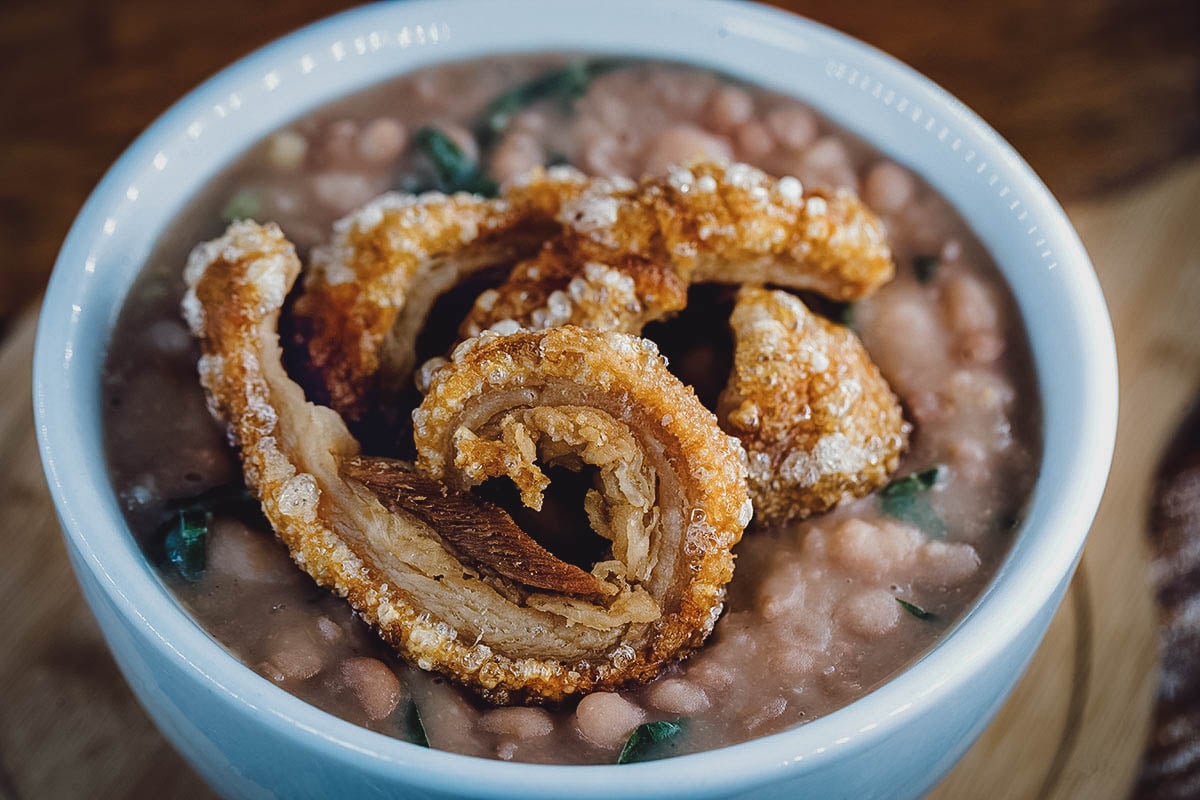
x: 498, y: 614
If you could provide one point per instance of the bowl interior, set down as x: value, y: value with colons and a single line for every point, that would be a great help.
x: 866, y: 92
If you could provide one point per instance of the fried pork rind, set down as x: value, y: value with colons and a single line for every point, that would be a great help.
x: 555, y: 288
x: 670, y: 494
x: 626, y: 259
x: 626, y: 256
x: 508, y: 640
x: 367, y: 293
x: 598, y: 253
x: 818, y: 421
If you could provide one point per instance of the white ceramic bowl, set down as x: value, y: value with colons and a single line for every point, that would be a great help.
x: 249, y: 738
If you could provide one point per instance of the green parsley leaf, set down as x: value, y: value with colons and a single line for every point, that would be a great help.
x: 183, y: 532
x: 566, y: 85
x: 415, y: 728
x: 912, y: 484
x: 455, y: 171
x: 917, y: 611
x: 905, y: 499
x: 915, y: 508
x: 643, y: 739
x: 185, y: 543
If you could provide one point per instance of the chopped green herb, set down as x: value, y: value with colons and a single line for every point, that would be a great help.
x: 183, y: 533
x: 643, y: 739
x: 455, y: 171
x: 915, y: 508
x: 185, y: 543
x: 415, y: 728
x: 245, y: 204
x: 917, y: 611
x: 925, y: 266
x: 905, y: 499
x: 912, y: 484
x: 566, y: 85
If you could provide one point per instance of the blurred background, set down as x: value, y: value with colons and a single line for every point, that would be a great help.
x: 1102, y: 97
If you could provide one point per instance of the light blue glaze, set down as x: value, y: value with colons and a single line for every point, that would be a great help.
x: 251, y: 739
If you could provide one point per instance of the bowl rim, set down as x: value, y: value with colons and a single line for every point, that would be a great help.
x: 1062, y: 505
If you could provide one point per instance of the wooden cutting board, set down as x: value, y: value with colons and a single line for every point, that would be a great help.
x: 1075, y: 726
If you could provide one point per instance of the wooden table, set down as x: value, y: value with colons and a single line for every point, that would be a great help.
x: 1100, y: 96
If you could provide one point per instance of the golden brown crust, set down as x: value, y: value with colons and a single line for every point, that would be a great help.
x: 555, y: 288
x: 388, y: 259
x: 818, y: 421
x: 617, y: 255
x: 729, y: 224
x: 506, y: 642
x: 605, y: 399
x: 626, y: 257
